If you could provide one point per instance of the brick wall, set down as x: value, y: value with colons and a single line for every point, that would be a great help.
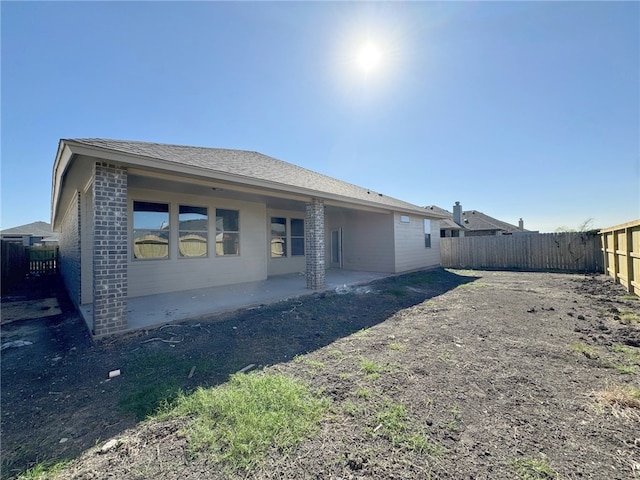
x: 69, y: 249
x: 110, y: 248
x: 315, y: 245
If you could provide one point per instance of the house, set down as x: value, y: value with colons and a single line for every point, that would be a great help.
x: 472, y: 223
x: 139, y: 219
x: 36, y: 233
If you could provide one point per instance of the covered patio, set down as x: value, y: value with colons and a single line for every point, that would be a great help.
x: 155, y: 310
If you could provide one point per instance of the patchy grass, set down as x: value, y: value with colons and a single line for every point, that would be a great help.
x: 237, y: 423
x: 43, y: 471
x: 630, y: 296
x: 584, y: 349
x: 531, y: 469
x: 314, y: 364
x: 629, y: 318
x: 622, y: 401
x: 399, y: 347
x: 151, y: 379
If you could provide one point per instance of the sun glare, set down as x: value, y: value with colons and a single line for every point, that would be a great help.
x: 369, y: 57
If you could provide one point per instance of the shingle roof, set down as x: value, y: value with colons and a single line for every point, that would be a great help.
x: 472, y: 220
x: 36, y: 229
x: 250, y: 165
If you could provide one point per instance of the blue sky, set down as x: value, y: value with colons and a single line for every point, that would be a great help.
x: 515, y: 109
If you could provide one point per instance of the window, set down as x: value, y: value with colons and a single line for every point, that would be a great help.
x: 150, y: 230
x: 193, y: 231
x: 297, y: 236
x: 427, y: 233
x: 227, y: 232
x: 278, y: 237
x: 405, y: 219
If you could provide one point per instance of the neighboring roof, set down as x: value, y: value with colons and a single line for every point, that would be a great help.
x: 35, y: 229
x: 473, y: 220
x: 248, y: 166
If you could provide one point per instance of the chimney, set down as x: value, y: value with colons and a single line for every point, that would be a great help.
x: 457, y: 213
x: 521, y: 225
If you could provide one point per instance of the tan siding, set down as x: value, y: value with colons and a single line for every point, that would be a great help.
x: 281, y: 266
x: 411, y: 253
x: 149, y: 277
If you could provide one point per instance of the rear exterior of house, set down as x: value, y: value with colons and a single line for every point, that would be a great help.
x: 139, y: 219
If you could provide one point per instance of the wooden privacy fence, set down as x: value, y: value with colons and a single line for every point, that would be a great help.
x: 621, y: 248
x: 19, y: 262
x: 566, y: 252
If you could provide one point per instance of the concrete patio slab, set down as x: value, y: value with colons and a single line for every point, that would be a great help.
x: 154, y: 310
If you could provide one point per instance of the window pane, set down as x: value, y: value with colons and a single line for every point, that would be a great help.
x: 427, y: 240
x: 297, y: 227
x: 150, y: 244
x: 297, y: 246
x: 193, y: 244
x: 278, y: 237
x: 193, y: 218
x: 150, y: 230
x: 227, y: 244
x: 427, y: 225
x: 278, y: 227
x: 153, y: 216
x: 227, y: 220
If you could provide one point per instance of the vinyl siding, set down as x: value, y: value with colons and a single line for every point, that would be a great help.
x: 289, y: 264
x: 411, y: 253
x: 147, y: 277
x: 367, y: 240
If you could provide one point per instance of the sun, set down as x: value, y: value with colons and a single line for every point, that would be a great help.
x: 369, y: 56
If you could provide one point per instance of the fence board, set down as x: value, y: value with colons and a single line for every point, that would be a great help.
x: 621, y: 250
x: 19, y: 262
x: 567, y: 252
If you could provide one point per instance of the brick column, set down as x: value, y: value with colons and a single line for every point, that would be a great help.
x: 315, y: 244
x: 110, y: 247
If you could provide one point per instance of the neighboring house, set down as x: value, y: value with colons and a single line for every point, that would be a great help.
x: 36, y: 233
x: 471, y: 223
x: 139, y: 218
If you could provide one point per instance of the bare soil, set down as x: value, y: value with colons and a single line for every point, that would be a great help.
x: 490, y: 370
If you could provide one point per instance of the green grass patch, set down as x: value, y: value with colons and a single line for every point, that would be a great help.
x: 627, y: 369
x: 43, y: 471
x: 531, y: 469
x: 630, y: 318
x: 151, y: 379
x: 631, y: 353
x: 630, y: 296
x: 314, y: 364
x: 369, y: 366
x: 392, y: 422
x: 238, y: 422
x: 584, y: 349
x: 399, y: 347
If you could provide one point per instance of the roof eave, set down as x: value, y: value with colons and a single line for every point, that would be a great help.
x: 154, y: 163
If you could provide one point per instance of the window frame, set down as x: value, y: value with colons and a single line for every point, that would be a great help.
x: 224, y: 231
x: 281, y: 239
x: 150, y: 231
x: 298, y: 237
x: 205, y: 231
x: 427, y: 232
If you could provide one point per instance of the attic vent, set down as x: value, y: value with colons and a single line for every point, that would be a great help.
x: 466, y: 220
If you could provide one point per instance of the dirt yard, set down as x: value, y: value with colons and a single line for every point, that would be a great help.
x: 489, y: 375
